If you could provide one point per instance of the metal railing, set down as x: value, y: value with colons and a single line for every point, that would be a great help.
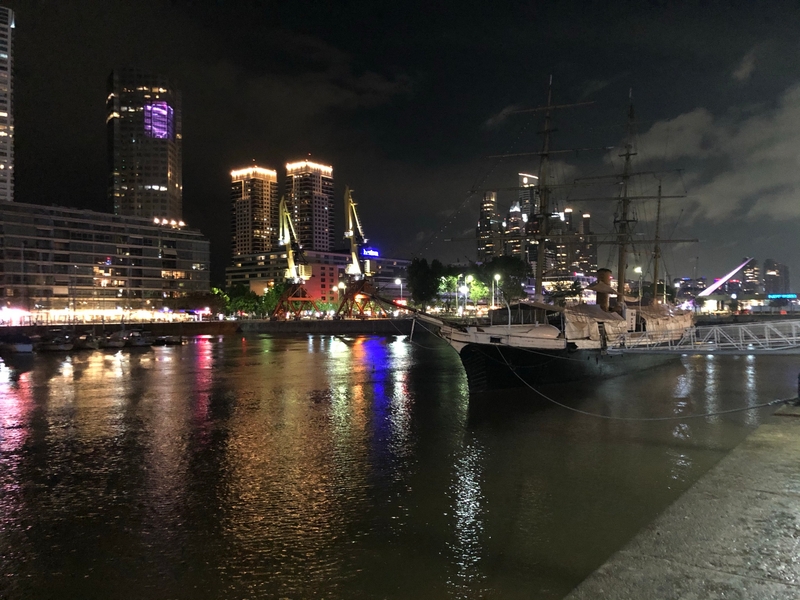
x: 748, y: 338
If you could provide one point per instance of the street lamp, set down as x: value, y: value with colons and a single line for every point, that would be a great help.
x: 639, y: 271
x: 495, y: 287
x: 399, y: 282
x: 468, y: 281
x: 341, y: 287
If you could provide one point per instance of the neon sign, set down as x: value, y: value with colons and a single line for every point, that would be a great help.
x: 782, y: 296
x: 370, y: 252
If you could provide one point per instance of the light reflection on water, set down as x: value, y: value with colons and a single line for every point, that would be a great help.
x: 339, y: 467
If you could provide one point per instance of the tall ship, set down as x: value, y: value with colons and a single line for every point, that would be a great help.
x: 535, y: 342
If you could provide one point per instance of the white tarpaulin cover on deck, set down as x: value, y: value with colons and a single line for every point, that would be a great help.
x: 581, y: 322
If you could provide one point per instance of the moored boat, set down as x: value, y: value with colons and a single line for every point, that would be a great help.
x: 57, y: 343
x: 113, y: 340
x: 585, y: 342
x: 86, y: 341
x: 16, y: 343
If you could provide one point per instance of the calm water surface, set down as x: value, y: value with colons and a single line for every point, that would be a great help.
x: 339, y: 467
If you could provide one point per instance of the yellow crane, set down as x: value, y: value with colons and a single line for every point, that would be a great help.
x: 358, y: 299
x: 295, y: 298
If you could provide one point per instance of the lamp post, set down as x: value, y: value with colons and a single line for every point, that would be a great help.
x: 639, y: 271
x: 469, y: 281
x: 399, y: 282
x: 341, y: 287
x: 495, y: 287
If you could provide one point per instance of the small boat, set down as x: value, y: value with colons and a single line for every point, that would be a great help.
x: 170, y: 340
x: 138, y: 339
x: 113, y: 340
x: 87, y: 341
x: 55, y: 344
x: 16, y: 343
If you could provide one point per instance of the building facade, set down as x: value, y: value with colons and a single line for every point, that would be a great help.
x: 54, y: 258
x: 6, y: 104
x: 254, y: 211
x: 260, y: 271
x: 752, y: 281
x: 309, y: 194
x: 776, y: 277
x: 143, y: 120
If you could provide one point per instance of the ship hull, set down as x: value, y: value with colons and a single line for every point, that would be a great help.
x: 490, y: 367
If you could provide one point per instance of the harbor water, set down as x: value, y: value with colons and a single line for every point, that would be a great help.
x: 341, y: 467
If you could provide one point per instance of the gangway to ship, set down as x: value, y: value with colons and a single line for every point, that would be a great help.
x: 772, y: 337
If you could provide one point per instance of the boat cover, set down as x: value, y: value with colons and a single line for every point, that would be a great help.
x: 581, y: 322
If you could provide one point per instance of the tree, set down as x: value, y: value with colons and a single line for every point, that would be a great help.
x: 562, y: 290
x: 478, y: 291
x: 512, y: 270
x: 423, y: 280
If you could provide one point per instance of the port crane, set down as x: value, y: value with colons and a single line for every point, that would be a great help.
x: 359, y: 292
x: 295, y: 298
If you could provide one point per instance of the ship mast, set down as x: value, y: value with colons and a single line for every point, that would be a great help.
x: 657, y: 248
x: 623, y: 229
x: 544, y: 196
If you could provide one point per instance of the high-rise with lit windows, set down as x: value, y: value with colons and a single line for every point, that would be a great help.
x: 489, y: 245
x: 309, y: 194
x: 254, y: 210
x: 143, y: 119
x: 6, y: 104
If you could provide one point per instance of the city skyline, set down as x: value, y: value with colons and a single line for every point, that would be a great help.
x: 411, y: 134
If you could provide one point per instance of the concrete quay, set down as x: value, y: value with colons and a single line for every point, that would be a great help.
x: 734, y: 534
x: 329, y: 326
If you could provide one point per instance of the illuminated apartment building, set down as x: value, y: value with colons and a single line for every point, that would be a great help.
x: 254, y: 210
x: 65, y: 258
x: 309, y: 194
x: 6, y: 104
x: 143, y: 120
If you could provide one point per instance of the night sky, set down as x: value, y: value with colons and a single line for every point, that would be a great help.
x: 407, y: 100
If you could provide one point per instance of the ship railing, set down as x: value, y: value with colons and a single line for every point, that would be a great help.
x: 746, y: 338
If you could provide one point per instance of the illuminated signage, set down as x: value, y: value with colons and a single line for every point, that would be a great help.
x: 370, y: 252
x: 782, y: 296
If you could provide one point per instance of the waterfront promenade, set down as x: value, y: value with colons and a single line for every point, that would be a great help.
x: 734, y: 534
x: 247, y: 326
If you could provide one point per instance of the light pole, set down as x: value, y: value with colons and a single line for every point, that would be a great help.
x: 399, y: 282
x: 495, y: 287
x: 469, y: 281
x: 341, y: 287
x: 639, y: 271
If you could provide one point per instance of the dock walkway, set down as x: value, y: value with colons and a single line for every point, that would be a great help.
x: 734, y: 534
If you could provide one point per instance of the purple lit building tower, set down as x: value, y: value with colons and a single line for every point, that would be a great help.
x: 143, y: 118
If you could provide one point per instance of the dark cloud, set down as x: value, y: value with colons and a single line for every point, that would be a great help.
x: 407, y: 100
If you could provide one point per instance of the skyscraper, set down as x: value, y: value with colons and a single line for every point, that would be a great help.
x: 488, y: 229
x: 254, y: 210
x: 143, y: 120
x: 6, y: 104
x: 309, y: 194
x: 776, y: 277
x: 527, y: 194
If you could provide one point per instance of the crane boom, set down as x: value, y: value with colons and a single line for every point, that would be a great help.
x: 287, y: 237
x: 354, y: 233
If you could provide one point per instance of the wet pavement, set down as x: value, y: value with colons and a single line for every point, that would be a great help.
x: 734, y: 534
